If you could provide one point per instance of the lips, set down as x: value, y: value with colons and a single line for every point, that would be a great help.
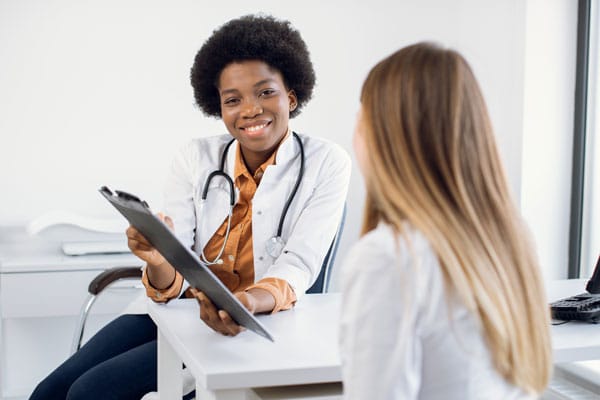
x: 255, y: 128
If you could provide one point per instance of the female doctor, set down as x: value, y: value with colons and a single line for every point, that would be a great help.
x: 260, y: 206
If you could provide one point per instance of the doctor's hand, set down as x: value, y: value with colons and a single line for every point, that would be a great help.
x: 142, y: 248
x: 255, y: 300
x: 218, y: 320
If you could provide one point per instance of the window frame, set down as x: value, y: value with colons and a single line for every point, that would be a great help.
x: 580, y: 125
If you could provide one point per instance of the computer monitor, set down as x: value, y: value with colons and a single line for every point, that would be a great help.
x: 593, y: 285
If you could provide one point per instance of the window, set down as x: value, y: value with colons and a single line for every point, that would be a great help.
x: 590, y: 227
x: 584, y: 243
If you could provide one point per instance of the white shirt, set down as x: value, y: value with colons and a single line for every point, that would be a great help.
x: 402, y: 335
x: 310, y: 223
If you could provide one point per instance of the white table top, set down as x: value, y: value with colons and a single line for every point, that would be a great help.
x: 21, y: 252
x: 306, y: 342
x: 305, y: 348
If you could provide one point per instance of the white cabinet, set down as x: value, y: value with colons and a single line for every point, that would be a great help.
x: 41, y: 294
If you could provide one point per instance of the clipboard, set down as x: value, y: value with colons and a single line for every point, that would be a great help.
x: 198, y: 275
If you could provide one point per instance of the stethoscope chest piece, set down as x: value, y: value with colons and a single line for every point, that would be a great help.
x: 275, y: 246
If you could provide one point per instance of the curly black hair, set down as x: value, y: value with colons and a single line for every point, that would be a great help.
x: 252, y: 37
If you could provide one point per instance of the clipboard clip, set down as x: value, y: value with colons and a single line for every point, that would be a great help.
x: 123, y: 196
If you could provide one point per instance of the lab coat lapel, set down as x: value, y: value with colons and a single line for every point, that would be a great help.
x: 285, y: 153
x: 279, y: 178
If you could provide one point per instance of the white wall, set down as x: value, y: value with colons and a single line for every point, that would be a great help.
x: 97, y: 92
x: 548, y: 128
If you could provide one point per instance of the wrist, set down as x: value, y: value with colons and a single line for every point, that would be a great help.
x: 161, y: 276
x: 260, y: 300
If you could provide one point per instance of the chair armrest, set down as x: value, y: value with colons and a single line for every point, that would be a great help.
x: 105, y: 278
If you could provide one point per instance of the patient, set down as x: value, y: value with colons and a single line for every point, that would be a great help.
x: 255, y: 74
x: 442, y: 295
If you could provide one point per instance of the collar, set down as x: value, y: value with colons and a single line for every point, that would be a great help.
x: 283, y: 152
x: 240, y: 168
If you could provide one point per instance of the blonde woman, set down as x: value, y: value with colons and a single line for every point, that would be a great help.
x: 442, y: 295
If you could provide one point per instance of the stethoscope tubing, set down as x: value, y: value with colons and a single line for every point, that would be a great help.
x: 295, y: 189
x: 221, y: 172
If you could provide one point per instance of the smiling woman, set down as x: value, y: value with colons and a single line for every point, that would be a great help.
x: 269, y: 184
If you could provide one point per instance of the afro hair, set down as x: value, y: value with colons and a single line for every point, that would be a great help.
x: 252, y: 37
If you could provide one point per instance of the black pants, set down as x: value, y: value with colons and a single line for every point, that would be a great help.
x: 119, y: 362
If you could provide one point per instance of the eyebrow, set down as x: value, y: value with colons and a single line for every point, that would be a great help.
x: 257, y: 84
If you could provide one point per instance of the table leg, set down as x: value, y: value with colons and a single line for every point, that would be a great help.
x: 170, y: 383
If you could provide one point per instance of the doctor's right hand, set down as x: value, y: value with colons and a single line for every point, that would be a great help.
x: 142, y: 248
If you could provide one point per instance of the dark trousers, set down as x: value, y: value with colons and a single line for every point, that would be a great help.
x: 119, y: 362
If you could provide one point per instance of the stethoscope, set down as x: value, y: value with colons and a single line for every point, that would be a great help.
x: 274, y: 245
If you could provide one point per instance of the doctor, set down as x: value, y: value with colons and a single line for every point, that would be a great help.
x: 260, y: 205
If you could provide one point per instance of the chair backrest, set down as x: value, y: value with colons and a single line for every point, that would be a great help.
x: 321, y: 285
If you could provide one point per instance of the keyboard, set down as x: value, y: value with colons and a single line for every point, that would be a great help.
x: 583, y: 307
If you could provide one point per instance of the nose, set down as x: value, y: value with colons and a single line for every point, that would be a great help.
x: 251, y: 109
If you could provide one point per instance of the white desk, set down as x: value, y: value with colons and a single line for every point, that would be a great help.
x: 573, y: 341
x: 29, y: 266
x: 305, y: 349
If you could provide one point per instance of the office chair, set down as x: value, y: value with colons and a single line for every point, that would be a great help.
x: 117, y: 274
x: 321, y: 284
x: 97, y: 286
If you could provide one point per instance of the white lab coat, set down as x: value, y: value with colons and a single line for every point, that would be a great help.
x: 310, y: 223
x: 404, y: 334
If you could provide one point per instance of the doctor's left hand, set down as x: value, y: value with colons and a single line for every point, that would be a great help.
x: 219, y: 320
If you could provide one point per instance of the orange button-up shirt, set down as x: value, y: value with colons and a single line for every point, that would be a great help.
x: 237, y: 268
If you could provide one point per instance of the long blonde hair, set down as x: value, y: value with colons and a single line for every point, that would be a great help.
x: 435, y: 164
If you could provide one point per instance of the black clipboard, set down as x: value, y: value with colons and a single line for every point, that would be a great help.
x: 198, y: 275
